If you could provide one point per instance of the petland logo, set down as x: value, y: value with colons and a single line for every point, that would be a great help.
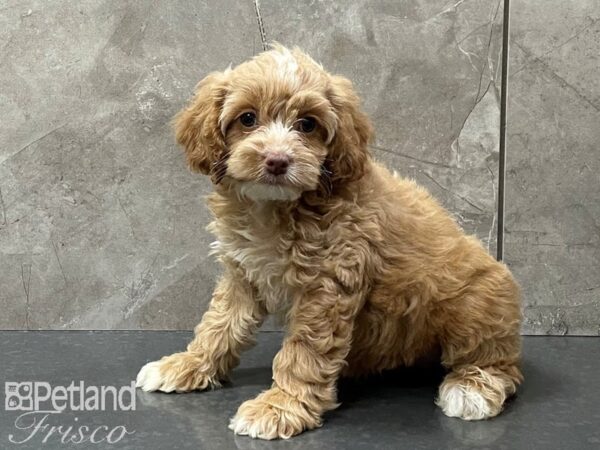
x: 39, y: 400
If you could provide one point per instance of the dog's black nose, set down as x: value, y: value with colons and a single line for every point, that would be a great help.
x: 277, y: 163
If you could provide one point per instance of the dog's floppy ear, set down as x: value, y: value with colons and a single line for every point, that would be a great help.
x: 197, y: 126
x: 349, y: 149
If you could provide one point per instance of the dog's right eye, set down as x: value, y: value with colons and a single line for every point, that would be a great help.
x: 248, y: 119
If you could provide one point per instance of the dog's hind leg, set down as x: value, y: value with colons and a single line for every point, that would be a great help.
x: 481, y: 346
x: 475, y: 393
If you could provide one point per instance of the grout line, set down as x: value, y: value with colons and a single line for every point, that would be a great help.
x: 502, y: 149
x: 261, y: 28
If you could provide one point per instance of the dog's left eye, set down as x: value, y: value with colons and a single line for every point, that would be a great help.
x: 306, y: 124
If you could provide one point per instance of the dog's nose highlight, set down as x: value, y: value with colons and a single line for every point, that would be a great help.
x: 277, y: 163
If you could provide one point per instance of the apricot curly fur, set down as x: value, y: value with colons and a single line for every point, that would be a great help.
x: 368, y: 274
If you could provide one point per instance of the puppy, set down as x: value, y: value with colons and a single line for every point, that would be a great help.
x: 367, y: 269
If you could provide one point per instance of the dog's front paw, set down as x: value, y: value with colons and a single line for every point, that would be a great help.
x: 272, y: 415
x: 179, y: 372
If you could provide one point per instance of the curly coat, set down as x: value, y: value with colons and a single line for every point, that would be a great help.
x: 368, y: 271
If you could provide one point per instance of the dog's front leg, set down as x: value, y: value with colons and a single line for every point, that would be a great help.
x: 306, y: 369
x: 227, y: 328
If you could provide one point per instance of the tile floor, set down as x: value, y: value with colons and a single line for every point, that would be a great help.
x: 556, y: 408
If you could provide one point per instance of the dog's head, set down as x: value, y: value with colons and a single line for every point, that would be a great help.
x: 275, y: 127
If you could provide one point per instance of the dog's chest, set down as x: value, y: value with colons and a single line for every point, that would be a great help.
x: 263, y: 253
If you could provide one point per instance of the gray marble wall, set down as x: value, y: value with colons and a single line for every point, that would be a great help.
x: 553, y: 172
x: 102, y: 226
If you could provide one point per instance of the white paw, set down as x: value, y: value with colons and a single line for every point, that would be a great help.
x: 465, y: 402
x: 241, y: 426
x: 150, y: 378
x: 179, y: 372
x: 273, y: 415
x: 262, y: 423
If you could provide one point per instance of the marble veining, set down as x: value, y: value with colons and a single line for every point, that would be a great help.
x: 102, y: 226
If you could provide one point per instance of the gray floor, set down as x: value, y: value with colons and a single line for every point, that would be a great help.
x: 557, y: 407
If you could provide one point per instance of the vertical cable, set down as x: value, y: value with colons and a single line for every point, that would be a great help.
x: 502, y: 149
x: 261, y: 27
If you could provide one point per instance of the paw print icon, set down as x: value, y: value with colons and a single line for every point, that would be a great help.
x: 18, y: 396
